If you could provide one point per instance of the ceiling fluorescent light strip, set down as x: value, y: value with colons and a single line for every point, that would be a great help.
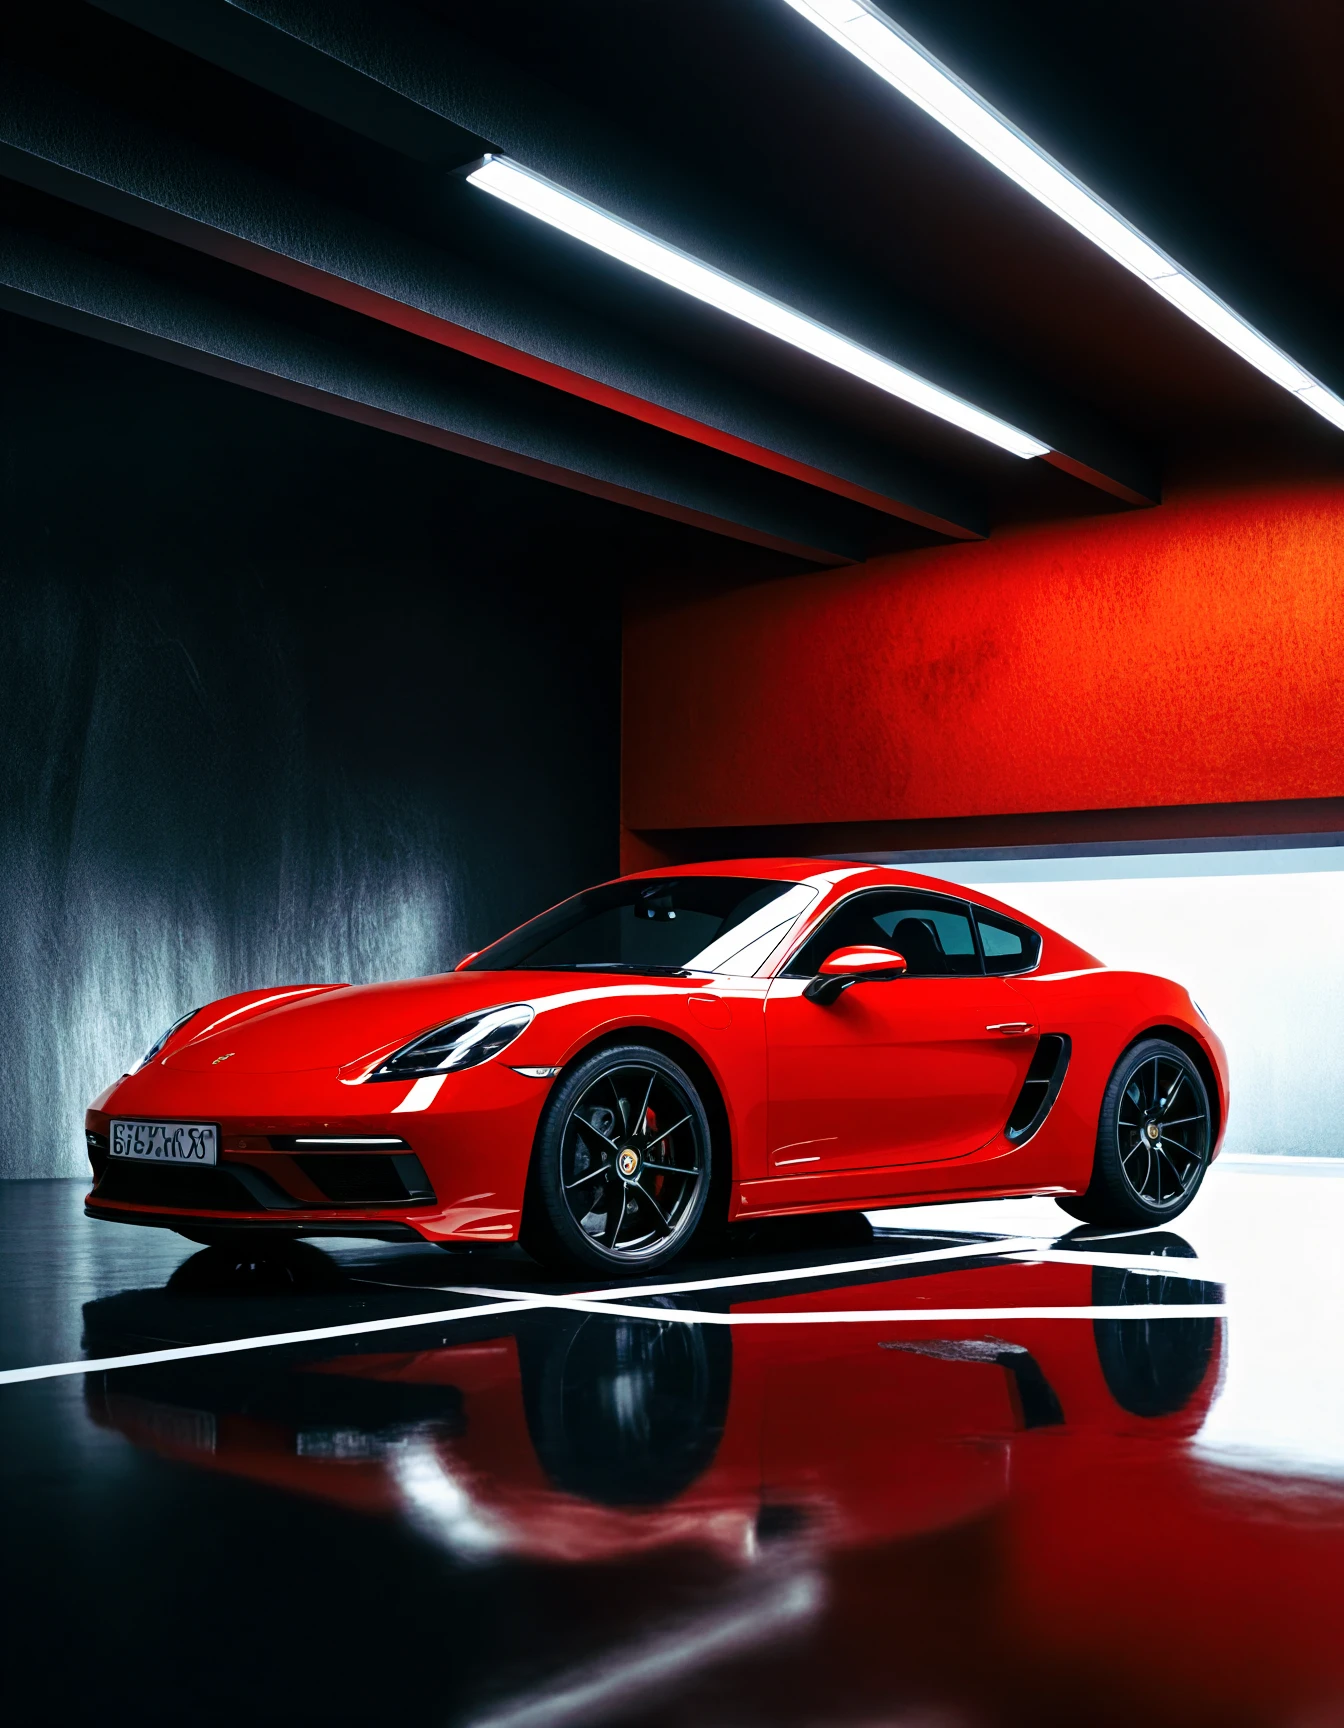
x: 895, y: 56
x: 575, y: 216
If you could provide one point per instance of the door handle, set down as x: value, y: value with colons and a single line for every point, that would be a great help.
x: 1012, y: 1028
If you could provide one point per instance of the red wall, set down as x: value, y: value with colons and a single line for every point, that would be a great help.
x: 1190, y: 654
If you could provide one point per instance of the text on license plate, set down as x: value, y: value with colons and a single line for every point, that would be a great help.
x: 166, y: 1142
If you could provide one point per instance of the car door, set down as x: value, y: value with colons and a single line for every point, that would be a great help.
x: 902, y: 1070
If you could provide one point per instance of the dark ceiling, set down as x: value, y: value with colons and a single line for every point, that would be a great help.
x: 265, y: 190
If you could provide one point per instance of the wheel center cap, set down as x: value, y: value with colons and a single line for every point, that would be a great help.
x: 628, y: 1162
x: 1154, y: 1131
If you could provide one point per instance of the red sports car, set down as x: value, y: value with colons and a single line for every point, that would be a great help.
x: 670, y: 1052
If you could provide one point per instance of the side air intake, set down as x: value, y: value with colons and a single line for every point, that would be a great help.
x: 1039, y: 1089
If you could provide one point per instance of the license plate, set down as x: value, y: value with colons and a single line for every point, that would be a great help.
x: 166, y: 1142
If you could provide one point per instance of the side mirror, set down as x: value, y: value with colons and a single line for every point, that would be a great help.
x: 853, y: 966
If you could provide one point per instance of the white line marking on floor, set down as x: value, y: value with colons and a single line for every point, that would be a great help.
x: 1152, y: 1265
x: 883, y: 1316
x: 1019, y: 1250
x: 962, y: 1251
x: 883, y: 1232
x: 1004, y: 1245
x: 267, y: 1341
x: 1025, y: 1250
x: 1114, y: 1235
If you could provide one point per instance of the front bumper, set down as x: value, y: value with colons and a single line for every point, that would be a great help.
x: 376, y: 1229
x: 457, y: 1169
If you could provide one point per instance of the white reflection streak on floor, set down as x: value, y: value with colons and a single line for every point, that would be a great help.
x: 442, y: 1508
x: 612, y: 1683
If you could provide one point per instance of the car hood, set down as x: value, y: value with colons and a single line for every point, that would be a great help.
x: 349, y: 1026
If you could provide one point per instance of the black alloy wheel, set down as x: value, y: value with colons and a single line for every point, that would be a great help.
x: 1162, y: 1127
x: 621, y: 1167
x: 1153, y: 1368
x: 624, y: 1412
x: 1153, y: 1139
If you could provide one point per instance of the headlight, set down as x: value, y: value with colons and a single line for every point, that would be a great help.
x: 460, y: 1044
x: 161, y: 1040
x: 1198, y: 1010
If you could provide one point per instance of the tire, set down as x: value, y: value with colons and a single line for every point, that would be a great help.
x: 625, y: 1412
x: 1153, y: 1368
x: 1149, y: 1160
x: 613, y: 1187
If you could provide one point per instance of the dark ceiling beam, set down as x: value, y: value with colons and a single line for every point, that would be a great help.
x: 411, y: 61
x: 453, y: 403
x: 58, y: 141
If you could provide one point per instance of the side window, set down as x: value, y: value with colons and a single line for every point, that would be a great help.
x: 934, y: 934
x: 1009, y: 947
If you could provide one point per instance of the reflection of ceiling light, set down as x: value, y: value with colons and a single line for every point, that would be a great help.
x: 640, y: 1669
x: 584, y: 221
x: 442, y: 1506
x: 894, y: 55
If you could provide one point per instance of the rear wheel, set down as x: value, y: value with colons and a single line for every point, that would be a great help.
x: 1153, y: 1139
x: 1154, y: 1367
x: 621, y: 1166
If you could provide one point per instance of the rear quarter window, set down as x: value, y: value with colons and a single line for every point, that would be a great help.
x: 1008, y: 945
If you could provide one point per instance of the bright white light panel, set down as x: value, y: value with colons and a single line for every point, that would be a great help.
x: 896, y: 57
x: 550, y: 203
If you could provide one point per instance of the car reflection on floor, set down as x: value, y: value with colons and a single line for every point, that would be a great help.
x: 989, y: 1518
x: 579, y: 1437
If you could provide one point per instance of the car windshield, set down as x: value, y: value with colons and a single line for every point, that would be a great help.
x: 682, y: 924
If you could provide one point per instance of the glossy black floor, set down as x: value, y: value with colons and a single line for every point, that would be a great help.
x: 966, y: 1469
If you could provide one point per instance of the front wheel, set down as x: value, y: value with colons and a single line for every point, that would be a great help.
x: 621, y: 1165
x: 1153, y: 1139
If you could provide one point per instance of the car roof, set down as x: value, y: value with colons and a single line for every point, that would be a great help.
x: 835, y: 876
x: 824, y: 872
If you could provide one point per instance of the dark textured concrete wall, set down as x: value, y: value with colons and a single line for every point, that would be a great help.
x: 281, y: 699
